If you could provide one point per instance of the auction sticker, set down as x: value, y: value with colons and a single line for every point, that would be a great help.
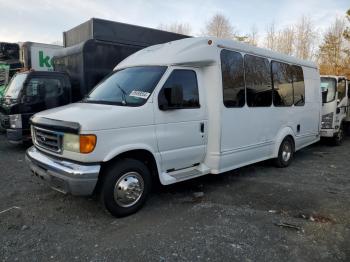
x: 140, y: 94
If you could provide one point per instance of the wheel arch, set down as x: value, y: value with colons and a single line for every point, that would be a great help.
x: 137, y: 152
x: 282, y: 134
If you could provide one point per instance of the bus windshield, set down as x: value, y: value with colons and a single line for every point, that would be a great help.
x: 127, y: 87
x: 328, y: 87
x: 14, y: 88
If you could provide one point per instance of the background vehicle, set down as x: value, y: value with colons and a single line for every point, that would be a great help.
x: 176, y: 111
x: 335, y: 107
x: 22, y: 57
x: 30, y: 92
x: 9, y: 63
x: 91, y: 51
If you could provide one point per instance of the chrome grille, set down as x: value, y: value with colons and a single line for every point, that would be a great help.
x: 2, y: 76
x: 47, y: 139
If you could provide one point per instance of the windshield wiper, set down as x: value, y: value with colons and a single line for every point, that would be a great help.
x: 123, y: 94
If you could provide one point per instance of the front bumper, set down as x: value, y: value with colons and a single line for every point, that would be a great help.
x: 62, y: 175
x: 18, y: 135
x: 327, y: 132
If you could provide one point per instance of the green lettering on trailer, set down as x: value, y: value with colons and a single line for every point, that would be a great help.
x: 44, y: 61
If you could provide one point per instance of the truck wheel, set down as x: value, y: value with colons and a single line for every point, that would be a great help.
x: 285, y: 153
x: 339, y: 136
x: 126, y: 186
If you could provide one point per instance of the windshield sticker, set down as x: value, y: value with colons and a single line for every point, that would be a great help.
x: 139, y: 94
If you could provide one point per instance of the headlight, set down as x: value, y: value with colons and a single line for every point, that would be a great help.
x: 15, y: 121
x: 327, y: 121
x: 79, y: 143
x: 71, y: 143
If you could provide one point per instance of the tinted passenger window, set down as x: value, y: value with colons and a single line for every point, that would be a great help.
x: 282, y: 84
x: 298, y: 86
x: 232, y: 78
x: 258, y: 81
x: 186, y: 79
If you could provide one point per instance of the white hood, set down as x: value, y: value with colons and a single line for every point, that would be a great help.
x: 94, y: 117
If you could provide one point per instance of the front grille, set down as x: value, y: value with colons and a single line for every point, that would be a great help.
x: 47, y: 139
x: 2, y: 76
x: 4, y: 121
x: 327, y: 121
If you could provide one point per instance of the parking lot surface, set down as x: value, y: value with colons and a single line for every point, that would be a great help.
x: 255, y: 213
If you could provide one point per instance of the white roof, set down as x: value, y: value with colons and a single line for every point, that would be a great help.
x: 197, y: 51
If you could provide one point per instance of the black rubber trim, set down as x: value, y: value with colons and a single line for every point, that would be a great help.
x: 55, y: 125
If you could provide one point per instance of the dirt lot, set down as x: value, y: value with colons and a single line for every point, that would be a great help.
x: 236, y: 219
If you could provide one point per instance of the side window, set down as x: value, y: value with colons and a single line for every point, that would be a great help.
x: 232, y: 78
x: 258, y: 81
x: 298, y: 86
x: 341, y: 89
x: 32, y: 88
x: 187, y: 80
x: 44, y: 88
x: 282, y: 84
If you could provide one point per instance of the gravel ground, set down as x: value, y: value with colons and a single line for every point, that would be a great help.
x: 239, y: 216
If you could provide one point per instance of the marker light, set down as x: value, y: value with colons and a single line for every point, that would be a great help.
x: 87, y: 143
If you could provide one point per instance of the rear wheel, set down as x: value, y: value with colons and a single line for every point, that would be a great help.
x: 285, y: 153
x: 339, y: 136
x: 125, y: 187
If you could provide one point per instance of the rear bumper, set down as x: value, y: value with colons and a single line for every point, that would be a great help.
x: 62, y: 175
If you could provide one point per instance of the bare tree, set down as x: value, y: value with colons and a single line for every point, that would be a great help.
x: 271, y: 36
x: 285, y: 41
x: 253, y: 36
x: 179, y: 28
x: 305, y: 38
x: 331, y: 52
x: 220, y: 26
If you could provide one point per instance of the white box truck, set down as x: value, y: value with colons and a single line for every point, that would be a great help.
x: 173, y: 112
x: 335, y: 107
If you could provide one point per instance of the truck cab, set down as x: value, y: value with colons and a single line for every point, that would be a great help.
x: 335, y: 107
x: 29, y: 93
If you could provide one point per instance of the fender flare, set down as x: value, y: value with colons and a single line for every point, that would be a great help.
x: 124, y: 149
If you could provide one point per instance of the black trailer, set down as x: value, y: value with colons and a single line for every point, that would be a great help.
x: 95, y: 47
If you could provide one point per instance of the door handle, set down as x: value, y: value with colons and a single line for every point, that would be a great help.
x: 202, y: 127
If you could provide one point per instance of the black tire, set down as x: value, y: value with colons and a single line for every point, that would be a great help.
x: 285, y: 153
x: 133, y: 169
x: 339, y: 136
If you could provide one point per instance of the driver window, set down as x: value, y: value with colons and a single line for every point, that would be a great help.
x: 341, y: 89
x: 32, y: 88
x: 44, y: 88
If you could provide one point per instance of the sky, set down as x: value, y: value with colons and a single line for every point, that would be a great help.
x: 45, y: 20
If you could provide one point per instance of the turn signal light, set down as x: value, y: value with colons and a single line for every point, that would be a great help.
x: 87, y: 143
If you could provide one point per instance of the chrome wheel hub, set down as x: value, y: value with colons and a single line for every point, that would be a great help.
x: 128, y: 189
x: 286, y: 152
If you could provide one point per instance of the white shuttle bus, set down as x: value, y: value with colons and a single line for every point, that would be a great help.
x: 173, y: 112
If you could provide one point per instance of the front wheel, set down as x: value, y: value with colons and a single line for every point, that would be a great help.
x: 339, y: 136
x: 285, y: 153
x: 125, y: 187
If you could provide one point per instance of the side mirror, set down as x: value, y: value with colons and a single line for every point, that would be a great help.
x: 173, y: 97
